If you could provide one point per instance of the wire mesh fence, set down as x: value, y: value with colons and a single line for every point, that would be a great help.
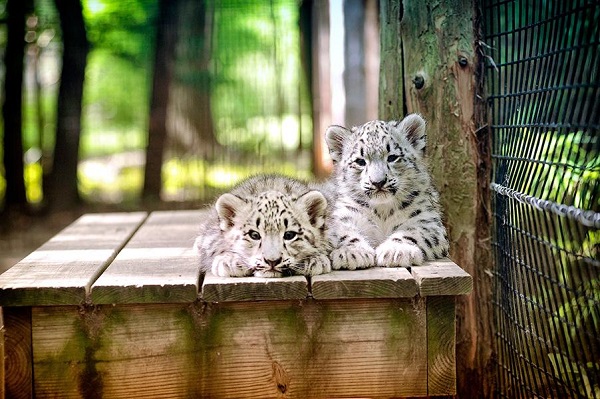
x: 542, y: 82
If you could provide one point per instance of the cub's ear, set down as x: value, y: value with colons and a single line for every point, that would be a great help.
x: 315, y: 206
x: 228, y: 206
x: 413, y: 127
x: 335, y: 136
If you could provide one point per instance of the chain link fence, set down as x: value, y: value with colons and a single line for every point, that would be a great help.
x: 543, y: 91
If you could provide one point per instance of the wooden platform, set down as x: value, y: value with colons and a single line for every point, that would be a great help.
x: 114, y: 307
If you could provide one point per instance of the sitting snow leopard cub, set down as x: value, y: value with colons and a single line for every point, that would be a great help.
x: 387, y: 211
x: 267, y: 226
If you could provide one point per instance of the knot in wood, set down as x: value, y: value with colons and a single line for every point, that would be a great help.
x: 419, y: 82
x: 463, y: 61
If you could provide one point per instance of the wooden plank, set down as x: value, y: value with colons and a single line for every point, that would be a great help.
x: 220, y: 289
x: 376, y: 282
x: 442, y: 277
x: 113, y: 351
x: 62, y: 270
x: 18, y: 378
x: 315, y: 349
x: 268, y: 349
x: 158, y: 264
x: 441, y: 346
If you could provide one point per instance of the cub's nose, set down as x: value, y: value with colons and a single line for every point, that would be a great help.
x: 379, y: 184
x: 272, y: 262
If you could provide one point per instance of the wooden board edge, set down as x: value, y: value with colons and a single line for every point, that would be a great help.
x: 45, y: 296
x: 103, y: 295
x: 143, y: 217
x: 364, y: 284
x: 442, y: 277
x: 232, y: 289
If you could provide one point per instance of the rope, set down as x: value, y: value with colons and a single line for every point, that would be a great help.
x: 587, y: 218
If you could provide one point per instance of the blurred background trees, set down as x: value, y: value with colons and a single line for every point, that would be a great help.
x: 125, y: 101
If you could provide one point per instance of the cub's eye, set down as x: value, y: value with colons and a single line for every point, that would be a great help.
x: 360, y: 162
x: 392, y: 158
x: 289, y: 235
x: 255, y: 235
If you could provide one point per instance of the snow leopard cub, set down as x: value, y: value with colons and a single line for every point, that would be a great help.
x: 266, y: 226
x: 387, y: 211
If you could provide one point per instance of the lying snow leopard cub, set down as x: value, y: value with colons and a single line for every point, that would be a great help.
x: 267, y: 226
x: 387, y: 211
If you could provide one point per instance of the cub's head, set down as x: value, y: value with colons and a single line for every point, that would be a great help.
x: 273, y: 232
x: 377, y: 163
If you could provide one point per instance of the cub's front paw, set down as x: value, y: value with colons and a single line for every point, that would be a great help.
x: 353, y: 257
x: 317, y: 265
x: 228, y: 265
x: 394, y: 253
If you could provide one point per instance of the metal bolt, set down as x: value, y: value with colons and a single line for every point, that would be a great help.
x: 463, y: 61
x: 419, y: 82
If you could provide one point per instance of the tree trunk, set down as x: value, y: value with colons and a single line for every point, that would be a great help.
x: 430, y: 65
x: 164, y: 56
x: 190, y: 125
x: 354, y: 60
x: 12, y: 108
x: 320, y: 86
x: 62, y: 191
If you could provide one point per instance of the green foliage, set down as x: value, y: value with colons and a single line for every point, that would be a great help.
x: 257, y: 65
x: 116, y: 94
x: 126, y: 29
x: 115, y: 105
x: 248, y: 65
x: 581, y: 313
x: 562, y: 167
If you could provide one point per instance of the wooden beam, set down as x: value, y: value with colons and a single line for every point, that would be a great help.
x: 291, y: 349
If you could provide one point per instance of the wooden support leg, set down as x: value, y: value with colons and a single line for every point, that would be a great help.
x: 441, y: 345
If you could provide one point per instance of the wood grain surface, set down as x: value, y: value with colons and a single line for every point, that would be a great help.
x: 157, y: 265
x: 18, y: 372
x: 369, y: 283
x: 441, y: 344
x: 219, y: 289
x: 62, y: 270
x: 442, y: 277
x: 268, y: 349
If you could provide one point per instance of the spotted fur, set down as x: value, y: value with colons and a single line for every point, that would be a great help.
x: 267, y: 226
x: 387, y: 211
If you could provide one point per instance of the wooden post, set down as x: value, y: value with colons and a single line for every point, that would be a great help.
x: 429, y: 63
